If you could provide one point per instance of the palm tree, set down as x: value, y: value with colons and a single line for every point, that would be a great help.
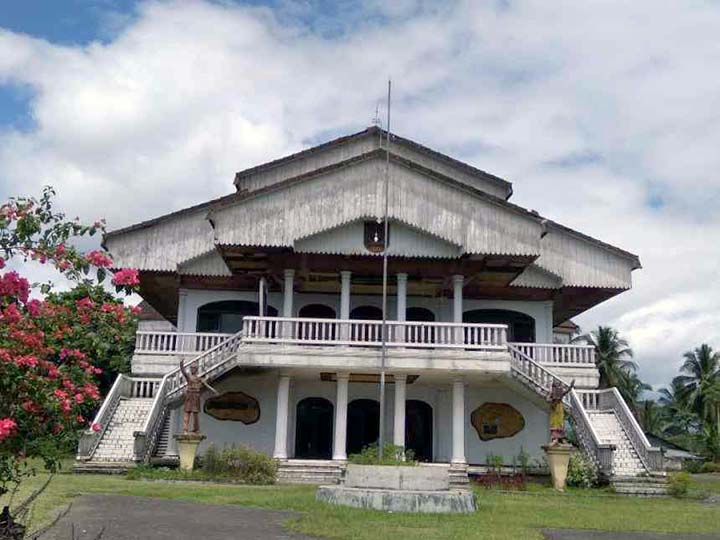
x: 612, y: 356
x: 632, y: 389
x: 651, y: 417
x: 700, y: 382
x: 680, y: 418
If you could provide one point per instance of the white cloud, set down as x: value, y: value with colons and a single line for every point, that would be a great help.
x: 593, y: 109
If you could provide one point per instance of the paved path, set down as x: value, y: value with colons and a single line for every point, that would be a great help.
x: 568, y: 534
x: 139, y: 518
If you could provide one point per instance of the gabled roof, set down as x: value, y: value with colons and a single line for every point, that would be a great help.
x: 335, y: 184
x: 372, y: 138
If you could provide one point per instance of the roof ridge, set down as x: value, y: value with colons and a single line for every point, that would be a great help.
x: 374, y: 130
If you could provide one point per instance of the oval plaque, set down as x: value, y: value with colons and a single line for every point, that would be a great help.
x: 496, y: 421
x: 236, y: 406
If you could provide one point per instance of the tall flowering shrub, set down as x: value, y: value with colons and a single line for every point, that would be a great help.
x: 54, y: 346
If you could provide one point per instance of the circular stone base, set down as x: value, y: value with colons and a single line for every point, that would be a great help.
x: 425, y: 502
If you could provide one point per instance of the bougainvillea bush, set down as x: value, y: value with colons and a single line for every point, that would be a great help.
x: 54, y: 346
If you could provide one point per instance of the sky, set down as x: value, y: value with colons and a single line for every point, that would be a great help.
x: 605, y: 115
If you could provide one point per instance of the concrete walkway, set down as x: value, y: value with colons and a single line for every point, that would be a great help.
x: 133, y: 518
x: 568, y: 534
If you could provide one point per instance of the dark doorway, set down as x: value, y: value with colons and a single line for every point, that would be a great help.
x: 317, y: 311
x: 419, y: 334
x: 363, y: 424
x: 317, y: 331
x: 521, y: 327
x: 226, y: 317
x: 366, y: 332
x: 419, y: 429
x: 314, y: 429
x: 366, y: 313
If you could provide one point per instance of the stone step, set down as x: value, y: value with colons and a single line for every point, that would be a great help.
x: 102, y: 467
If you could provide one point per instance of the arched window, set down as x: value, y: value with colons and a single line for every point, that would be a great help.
x: 366, y: 313
x: 521, y: 327
x: 317, y: 311
x: 227, y: 316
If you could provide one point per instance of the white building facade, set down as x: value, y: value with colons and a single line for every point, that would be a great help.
x: 275, y: 292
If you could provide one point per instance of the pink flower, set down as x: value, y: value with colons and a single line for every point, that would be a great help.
x: 26, y: 361
x: 95, y: 427
x: 11, y: 284
x: 99, y: 259
x: 7, y: 427
x: 79, y: 398
x: 85, y: 303
x: 60, y: 249
x: 2, y: 263
x: 34, y: 306
x: 126, y: 276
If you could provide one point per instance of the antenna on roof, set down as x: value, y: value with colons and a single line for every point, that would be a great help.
x: 383, y: 348
x: 376, y: 119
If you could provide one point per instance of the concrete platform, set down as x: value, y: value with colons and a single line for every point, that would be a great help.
x: 387, y: 500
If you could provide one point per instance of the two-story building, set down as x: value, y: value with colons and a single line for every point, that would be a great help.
x: 275, y: 291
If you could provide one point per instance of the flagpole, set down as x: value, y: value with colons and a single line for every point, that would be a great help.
x: 383, y: 347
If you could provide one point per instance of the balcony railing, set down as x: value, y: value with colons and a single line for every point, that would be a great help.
x: 190, y: 343
x: 366, y: 333
x: 561, y: 354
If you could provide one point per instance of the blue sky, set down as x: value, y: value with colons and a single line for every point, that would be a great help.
x: 602, y: 116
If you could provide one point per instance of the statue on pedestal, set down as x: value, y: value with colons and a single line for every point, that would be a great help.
x: 557, y: 411
x: 195, y: 384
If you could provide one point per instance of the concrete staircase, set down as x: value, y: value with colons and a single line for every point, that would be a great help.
x: 626, y: 462
x: 309, y: 471
x: 115, y: 449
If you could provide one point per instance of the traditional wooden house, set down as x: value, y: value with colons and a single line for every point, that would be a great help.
x: 275, y: 293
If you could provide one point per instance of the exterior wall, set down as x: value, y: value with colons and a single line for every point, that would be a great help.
x: 530, y: 438
x: 155, y: 326
x: 261, y: 435
x: 192, y: 299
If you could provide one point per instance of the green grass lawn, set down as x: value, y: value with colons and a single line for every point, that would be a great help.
x: 500, y: 515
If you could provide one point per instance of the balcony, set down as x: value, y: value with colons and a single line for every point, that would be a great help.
x: 358, y: 335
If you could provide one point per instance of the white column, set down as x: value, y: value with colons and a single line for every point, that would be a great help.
x: 281, y: 417
x: 458, y: 305
x: 458, y: 422
x: 288, y: 302
x: 345, y: 276
x: 183, y: 324
x: 401, y: 304
x: 341, y: 406
x: 288, y: 293
x: 399, y: 421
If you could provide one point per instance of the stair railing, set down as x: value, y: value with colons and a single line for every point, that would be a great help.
x: 651, y: 456
x: 90, y: 439
x: 601, y: 453
x: 542, y: 378
x: 171, y: 387
x: 537, y: 375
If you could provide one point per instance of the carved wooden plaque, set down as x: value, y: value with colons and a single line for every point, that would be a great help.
x: 233, y: 406
x: 496, y: 421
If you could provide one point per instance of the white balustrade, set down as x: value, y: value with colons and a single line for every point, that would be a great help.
x: 558, y: 354
x: 191, y: 343
x: 367, y: 333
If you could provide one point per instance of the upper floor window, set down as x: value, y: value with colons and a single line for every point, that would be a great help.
x: 226, y: 317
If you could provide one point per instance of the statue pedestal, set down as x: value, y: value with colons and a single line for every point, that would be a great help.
x: 187, y: 445
x: 558, y: 457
